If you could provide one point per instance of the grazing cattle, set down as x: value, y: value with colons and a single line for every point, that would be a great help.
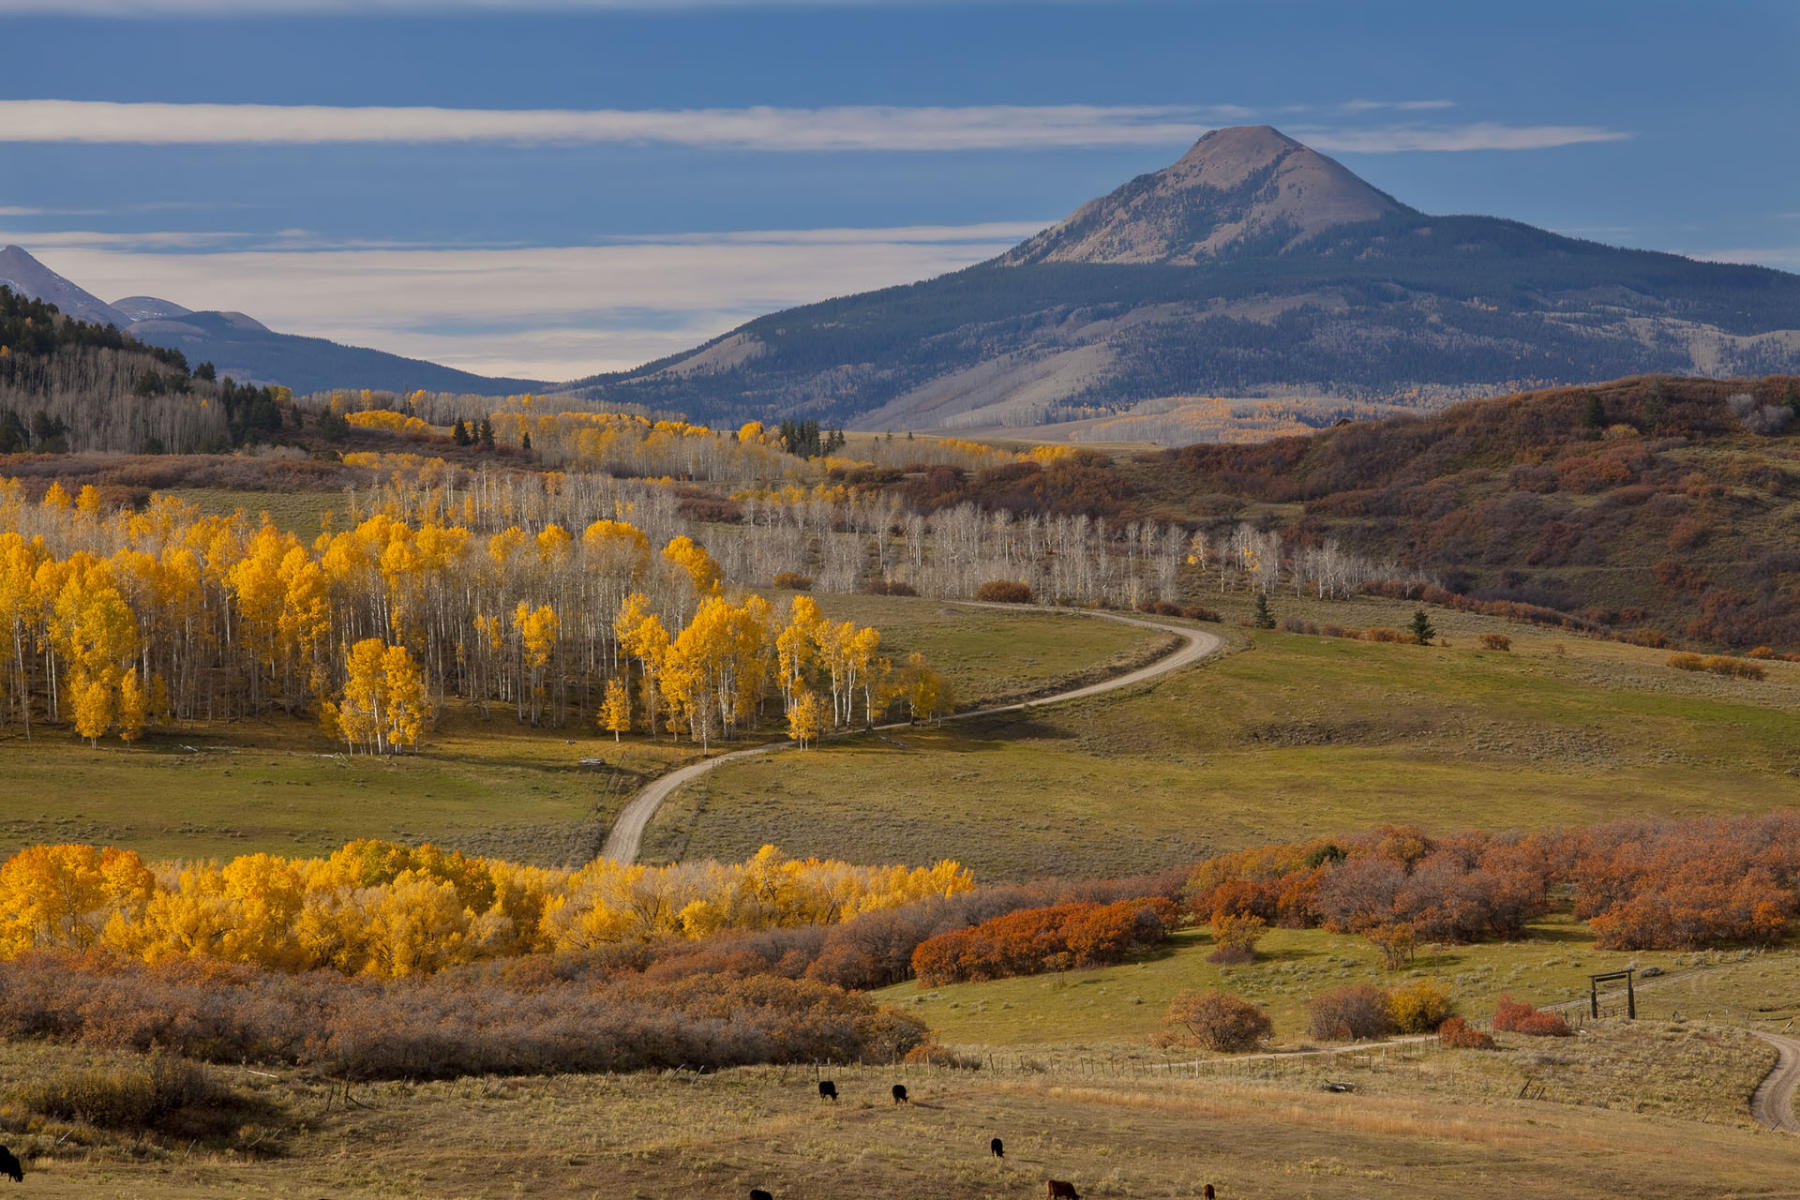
x: 998, y: 1147
x: 759, y: 1194
x: 10, y: 1165
x: 900, y: 1093
x: 827, y: 1090
x: 1058, y: 1189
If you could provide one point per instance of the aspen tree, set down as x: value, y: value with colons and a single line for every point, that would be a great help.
x: 615, y: 713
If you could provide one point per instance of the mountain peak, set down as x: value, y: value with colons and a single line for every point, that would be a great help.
x: 1248, y: 189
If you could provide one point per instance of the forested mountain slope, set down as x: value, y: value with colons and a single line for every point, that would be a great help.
x: 1253, y: 266
x: 68, y: 385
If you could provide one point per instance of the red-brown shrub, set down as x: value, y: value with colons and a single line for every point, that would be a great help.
x: 1458, y: 1034
x: 793, y: 581
x: 1495, y: 641
x: 1515, y: 1016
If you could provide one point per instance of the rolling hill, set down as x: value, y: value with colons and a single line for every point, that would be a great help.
x: 242, y: 347
x: 1253, y: 266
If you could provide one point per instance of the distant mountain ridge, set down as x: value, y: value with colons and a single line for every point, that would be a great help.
x: 1251, y: 267
x: 244, y: 348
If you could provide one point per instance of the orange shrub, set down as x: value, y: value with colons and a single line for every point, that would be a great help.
x: 1381, y: 634
x: 1458, y: 1034
x: 793, y: 581
x: 1035, y: 940
x: 1495, y: 641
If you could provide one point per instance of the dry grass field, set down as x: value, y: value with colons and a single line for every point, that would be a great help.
x: 1423, y: 1123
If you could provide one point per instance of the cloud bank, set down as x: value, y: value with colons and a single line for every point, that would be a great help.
x: 842, y: 128
x: 553, y: 313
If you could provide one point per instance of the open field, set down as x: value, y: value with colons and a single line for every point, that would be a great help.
x: 1423, y: 1123
x: 490, y: 787
x: 1293, y: 735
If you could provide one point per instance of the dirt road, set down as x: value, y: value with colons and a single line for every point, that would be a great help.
x: 1773, y: 1103
x: 627, y: 835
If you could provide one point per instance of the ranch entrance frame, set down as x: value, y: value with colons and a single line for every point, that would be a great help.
x: 1594, y: 982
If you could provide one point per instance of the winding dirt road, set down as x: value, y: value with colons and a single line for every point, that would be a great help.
x: 1772, y: 1104
x: 627, y: 835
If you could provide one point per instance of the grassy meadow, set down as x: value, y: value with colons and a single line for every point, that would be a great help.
x: 1287, y: 736
x: 299, y: 513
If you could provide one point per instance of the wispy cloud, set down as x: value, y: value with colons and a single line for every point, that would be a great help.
x: 543, y: 312
x: 983, y: 127
x: 1484, y: 135
x: 1363, y: 106
x: 841, y: 128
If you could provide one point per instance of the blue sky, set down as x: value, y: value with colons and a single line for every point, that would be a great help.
x: 571, y: 185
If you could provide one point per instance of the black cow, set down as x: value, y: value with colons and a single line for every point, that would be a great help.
x: 759, y: 1194
x: 998, y: 1148
x: 1208, y: 1193
x: 827, y: 1090
x: 1059, y: 1189
x: 9, y: 1165
x: 900, y: 1093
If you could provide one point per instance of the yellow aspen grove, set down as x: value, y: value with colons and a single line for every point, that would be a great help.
x: 615, y: 713
x: 223, y: 617
x: 805, y: 716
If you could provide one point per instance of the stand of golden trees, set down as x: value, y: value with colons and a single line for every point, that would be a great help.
x: 116, y: 620
x: 381, y: 909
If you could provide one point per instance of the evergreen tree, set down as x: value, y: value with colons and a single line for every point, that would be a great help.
x: 1594, y: 415
x: 1656, y: 408
x: 486, y: 437
x: 1421, y: 627
x: 1263, y: 618
x: 525, y: 440
x: 1791, y: 397
x: 459, y: 433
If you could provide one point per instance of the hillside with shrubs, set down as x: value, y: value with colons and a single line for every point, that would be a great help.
x: 1652, y: 508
